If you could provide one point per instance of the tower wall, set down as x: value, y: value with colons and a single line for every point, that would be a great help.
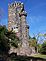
x: 13, y: 13
x: 24, y: 29
x: 17, y: 17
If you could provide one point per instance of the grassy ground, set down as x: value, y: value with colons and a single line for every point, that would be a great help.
x: 36, y: 57
x: 39, y: 55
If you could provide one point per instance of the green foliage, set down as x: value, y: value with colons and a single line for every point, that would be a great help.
x: 43, y: 48
x: 6, y: 39
x: 32, y: 42
x: 4, y: 46
x: 39, y: 47
x: 13, y: 39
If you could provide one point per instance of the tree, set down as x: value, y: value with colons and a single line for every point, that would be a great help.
x: 37, y: 41
x: 39, y: 47
x: 13, y: 39
x: 32, y: 42
x: 4, y: 41
x: 39, y: 38
x: 43, y: 48
x: 7, y: 38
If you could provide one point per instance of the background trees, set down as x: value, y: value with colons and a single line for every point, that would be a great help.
x: 32, y: 42
x: 38, y: 42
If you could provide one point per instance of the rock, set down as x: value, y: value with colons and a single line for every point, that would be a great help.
x: 28, y: 51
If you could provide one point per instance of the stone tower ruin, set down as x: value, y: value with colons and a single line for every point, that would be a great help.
x: 17, y: 22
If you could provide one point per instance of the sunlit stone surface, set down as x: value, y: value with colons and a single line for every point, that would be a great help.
x: 17, y: 23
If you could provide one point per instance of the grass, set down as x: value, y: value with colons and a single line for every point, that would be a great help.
x: 36, y: 57
x: 39, y: 55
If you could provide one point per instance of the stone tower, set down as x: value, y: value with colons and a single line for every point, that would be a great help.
x: 17, y: 22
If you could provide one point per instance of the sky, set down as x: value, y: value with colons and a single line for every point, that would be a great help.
x: 36, y: 14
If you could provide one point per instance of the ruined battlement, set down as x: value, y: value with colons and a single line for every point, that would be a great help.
x: 16, y: 5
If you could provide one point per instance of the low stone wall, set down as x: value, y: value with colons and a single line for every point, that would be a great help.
x: 22, y: 51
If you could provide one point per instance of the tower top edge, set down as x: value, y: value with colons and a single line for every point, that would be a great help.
x: 16, y: 3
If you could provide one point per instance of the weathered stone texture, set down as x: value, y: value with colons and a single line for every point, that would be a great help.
x: 17, y: 16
